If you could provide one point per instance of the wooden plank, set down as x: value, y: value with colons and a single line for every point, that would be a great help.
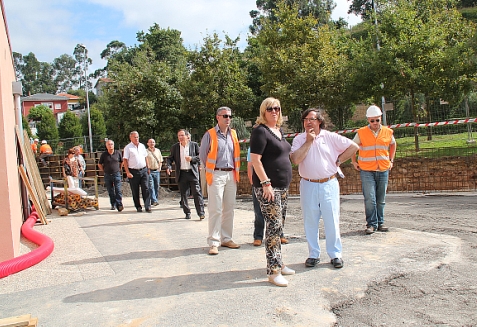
x: 17, y: 321
x: 33, y: 172
x: 35, y: 178
x: 32, y: 194
x: 33, y: 322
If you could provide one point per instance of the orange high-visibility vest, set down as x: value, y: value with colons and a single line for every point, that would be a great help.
x: 212, y: 155
x: 374, y: 151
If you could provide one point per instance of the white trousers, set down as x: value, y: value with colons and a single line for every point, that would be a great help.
x: 221, y: 195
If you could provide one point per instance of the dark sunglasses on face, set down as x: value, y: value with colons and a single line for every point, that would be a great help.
x: 226, y: 116
x: 277, y: 109
x: 374, y: 120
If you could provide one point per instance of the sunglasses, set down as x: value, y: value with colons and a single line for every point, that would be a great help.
x: 226, y: 116
x: 374, y: 120
x: 277, y: 109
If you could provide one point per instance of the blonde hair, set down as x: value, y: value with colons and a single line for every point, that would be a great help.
x: 268, y: 103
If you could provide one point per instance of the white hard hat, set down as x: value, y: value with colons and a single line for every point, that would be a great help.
x: 373, y: 111
x: 36, y: 140
x: 43, y: 142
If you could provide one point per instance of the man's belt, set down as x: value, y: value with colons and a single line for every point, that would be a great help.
x: 137, y: 169
x: 186, y: 170
x: 323, y: 180
x: 224, y: 169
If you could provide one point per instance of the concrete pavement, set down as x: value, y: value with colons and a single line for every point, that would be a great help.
x: 141, y: 269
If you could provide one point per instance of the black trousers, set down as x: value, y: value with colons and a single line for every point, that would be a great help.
x: 140, y: 179
x: 188, y: 180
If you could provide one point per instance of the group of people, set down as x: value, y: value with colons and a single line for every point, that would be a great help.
x: 43, y: 152
x: 74, y: 165
x: 317, y: 152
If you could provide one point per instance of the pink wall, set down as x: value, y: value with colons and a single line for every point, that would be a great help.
x: 10, y: 204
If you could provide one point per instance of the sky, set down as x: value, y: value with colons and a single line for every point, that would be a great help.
x: 50, y: 28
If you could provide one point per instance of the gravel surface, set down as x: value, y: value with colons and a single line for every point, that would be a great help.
x: 442, y: 296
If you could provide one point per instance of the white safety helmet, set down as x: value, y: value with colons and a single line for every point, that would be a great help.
x: 43, y: 142
x: 373, y: 111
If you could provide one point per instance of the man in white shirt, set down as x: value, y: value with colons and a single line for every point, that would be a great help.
x: 185, y: 155
x: 135, y: 164
x: 319, y: 153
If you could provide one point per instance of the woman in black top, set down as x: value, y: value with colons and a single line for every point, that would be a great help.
x: 272, y: 173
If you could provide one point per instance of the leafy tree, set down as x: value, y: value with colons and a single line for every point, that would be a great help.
x: 218, y: 78
x: 26, y: 126
x: 82, y: 62
x: 363, y: 8
x: 82, y: 94
x: 45, y: 122
x: 69, y: 126
x: 319, y: 9
x: 423, y: 51
x: 303, y: 65
x: 66, y: 74
x: 142, y: 97
x: 98, y: 126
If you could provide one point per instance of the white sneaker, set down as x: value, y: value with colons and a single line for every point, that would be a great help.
x: 287, y: 271
x: 278, y: 280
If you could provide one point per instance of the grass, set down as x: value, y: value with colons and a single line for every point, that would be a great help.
x: 440, y: 145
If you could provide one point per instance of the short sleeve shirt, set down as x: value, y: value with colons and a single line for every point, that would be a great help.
x: 275, y: 156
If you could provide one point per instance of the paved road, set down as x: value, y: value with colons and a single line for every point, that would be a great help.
x: 140, y: 269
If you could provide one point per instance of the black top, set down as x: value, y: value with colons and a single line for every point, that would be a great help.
x: 275, y: 156
x: 111, y: 162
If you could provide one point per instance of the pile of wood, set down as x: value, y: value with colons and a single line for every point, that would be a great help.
x: 30, y: 176
x: 19, y: 321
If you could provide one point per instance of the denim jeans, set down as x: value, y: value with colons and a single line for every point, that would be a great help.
x: 113, y: 185
x: 374, y: 185
x: 80, y: 181
x: 154, y: 184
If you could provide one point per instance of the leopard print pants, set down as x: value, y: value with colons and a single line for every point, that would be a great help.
x: 274, y: 213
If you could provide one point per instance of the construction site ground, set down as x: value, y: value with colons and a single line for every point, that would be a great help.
x: 153, y: 269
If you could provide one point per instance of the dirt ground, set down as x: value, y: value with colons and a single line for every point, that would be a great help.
x: 443, y: 296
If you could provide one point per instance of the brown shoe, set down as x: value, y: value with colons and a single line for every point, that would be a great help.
x: 382, y: 228
x: 231, y: 244
x: 213, y: 250
x: 257, y: 242
x: 369, y: 230
x: 283, y: 240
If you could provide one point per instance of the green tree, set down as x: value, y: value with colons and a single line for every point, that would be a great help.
x: 26, y: 126
x: 69, y: 126
x: 98, y: 126
x: 319, y: 9
x: 218, y: 78
x: 65, y: 72
x: 142, y: 97
x: 303, y: 64
x: 424, y: 50
x: 45, y: 122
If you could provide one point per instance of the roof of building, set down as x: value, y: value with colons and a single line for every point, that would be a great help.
x: 69, y: 96
x: 103, y: 80
x: 44, y: 97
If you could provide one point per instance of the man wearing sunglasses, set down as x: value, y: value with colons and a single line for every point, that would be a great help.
x: 377, y: 148
x: 220, y: 153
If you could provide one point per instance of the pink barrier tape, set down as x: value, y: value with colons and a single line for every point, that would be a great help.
x: 354, y: 130
x: 45, y: 247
